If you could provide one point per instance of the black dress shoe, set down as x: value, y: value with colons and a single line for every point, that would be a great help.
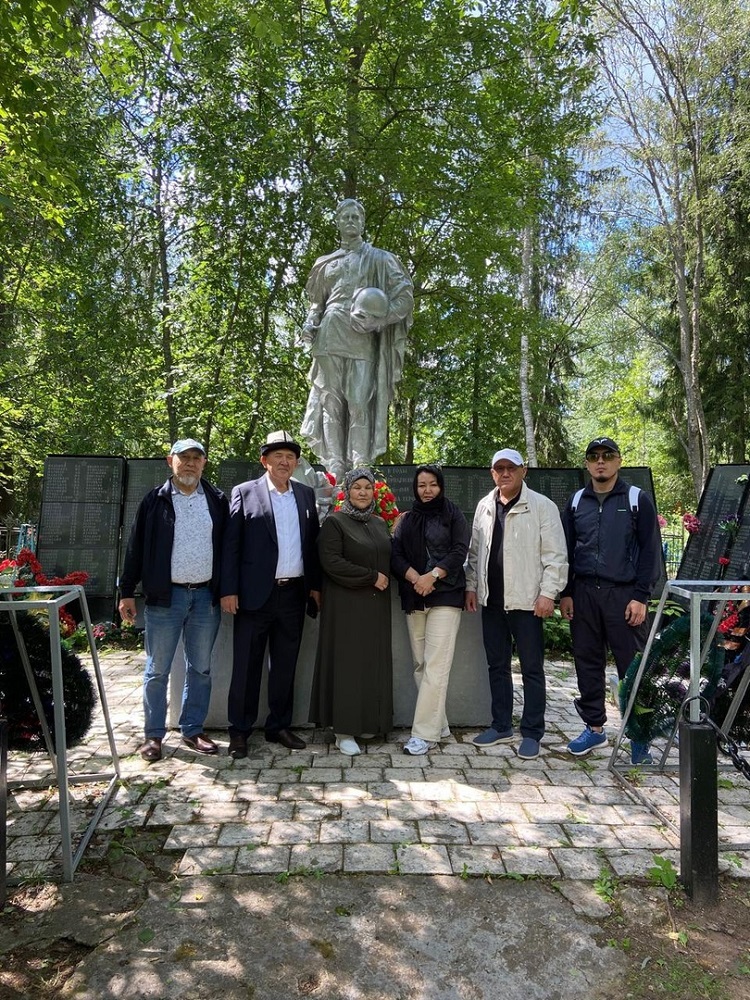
x: 287, y: 739
x: 237, y: 747
x: 200, y: 743
x: 151, y: 749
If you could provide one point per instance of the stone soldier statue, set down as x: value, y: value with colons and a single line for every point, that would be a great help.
x: 361, y: 304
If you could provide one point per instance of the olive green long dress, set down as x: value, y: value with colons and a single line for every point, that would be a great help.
x: 353, y: 686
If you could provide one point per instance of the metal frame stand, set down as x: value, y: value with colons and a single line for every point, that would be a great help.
x: 698, y: 828
x: 51, y: 599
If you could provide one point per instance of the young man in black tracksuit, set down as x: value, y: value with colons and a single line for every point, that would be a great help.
x: 613, y: 555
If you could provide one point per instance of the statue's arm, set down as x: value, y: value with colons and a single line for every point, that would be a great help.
x: 312, y: 323
x: 400, y: 292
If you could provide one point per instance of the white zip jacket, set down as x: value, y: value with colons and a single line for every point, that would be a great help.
x: 535, y: 554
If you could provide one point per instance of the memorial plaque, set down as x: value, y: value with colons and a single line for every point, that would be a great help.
x: 399, y: 479
x: 466, y: 486
x: 79, y: 524
x: 100, y: 564
x: 82, y: 479
x: 143, y: 474
x: 723, y: 496
x: 234, y: 471
x: 557, y: 484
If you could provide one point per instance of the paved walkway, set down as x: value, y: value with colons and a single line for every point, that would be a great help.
x: 457, y: 811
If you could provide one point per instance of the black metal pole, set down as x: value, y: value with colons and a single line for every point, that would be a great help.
x: 699, y: 823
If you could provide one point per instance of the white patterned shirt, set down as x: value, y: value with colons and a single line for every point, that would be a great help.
x: 192, y: 549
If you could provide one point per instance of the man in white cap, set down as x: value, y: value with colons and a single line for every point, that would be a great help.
x: 269, y: 571
x: 174, y: 551
x: 517, y: 565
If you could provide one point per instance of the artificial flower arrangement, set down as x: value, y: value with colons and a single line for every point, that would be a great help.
x: 26, y: 571
x: 385, y: 503
x: 691, y: 524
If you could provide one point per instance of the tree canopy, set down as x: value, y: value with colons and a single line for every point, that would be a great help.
x: 169, y: 171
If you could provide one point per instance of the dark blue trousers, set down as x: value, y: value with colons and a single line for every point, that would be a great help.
x: 499, y: 630
x: 598, y: 624
x: 277, y: 625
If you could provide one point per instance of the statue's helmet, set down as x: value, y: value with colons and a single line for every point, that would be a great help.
x: 368, y: 310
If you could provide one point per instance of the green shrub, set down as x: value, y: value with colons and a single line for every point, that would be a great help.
x: 557, y: 634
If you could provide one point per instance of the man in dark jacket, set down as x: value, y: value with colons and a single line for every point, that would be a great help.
x: 613, y: 555
x: 270, y: 569
x: 174, y: 551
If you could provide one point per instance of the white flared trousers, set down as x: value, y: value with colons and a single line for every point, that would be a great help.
x: 432, y: 634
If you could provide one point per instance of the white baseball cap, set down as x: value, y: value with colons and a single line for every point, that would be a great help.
x: 510, y: 454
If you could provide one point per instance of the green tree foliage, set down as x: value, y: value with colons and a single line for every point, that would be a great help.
x: 673, y: 266
x: 155, y: 289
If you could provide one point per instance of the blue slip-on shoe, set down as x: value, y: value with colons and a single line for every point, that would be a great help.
x: 529, y: 748
x: 586, y: 742
x: 640, y: 754
x: 491, y: 737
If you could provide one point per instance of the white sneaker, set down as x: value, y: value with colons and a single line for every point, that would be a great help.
x: 445, y: 732
x: 348, y: 745
x: 416, y: 747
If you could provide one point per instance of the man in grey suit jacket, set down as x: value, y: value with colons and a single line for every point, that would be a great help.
x: 269, y: 571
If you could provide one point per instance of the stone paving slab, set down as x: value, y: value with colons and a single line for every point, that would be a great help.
x: 458, y: 810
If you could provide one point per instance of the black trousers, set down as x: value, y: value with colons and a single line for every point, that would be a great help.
x: 599, y: 624
x: 278, y: 626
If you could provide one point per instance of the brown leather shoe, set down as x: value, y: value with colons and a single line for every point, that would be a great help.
x: 151, y: 749
x: 287, y: 739
x: 237, y: 747
x: 200, y: 743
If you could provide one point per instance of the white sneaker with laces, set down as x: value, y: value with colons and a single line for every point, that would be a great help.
x: 347, y: 745
x: 416, y: 746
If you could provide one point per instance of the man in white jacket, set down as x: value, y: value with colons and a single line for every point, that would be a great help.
x: 517, y: 566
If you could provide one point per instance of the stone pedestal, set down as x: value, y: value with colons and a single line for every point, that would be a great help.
x: 468, y: 692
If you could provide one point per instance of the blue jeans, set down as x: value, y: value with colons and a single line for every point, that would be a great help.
x: 192, y: 615
x: 499, y: 629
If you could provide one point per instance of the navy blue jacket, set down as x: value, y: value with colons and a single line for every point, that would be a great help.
x: 251, y: 547
x: 148, y: 558
x: 609, y: 543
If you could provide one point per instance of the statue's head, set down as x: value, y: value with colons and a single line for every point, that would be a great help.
x: 368, y: 310
x: 350, y: 217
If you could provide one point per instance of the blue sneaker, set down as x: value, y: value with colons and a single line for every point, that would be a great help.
x: 490, y: 737
x: 640, y: 754
x: 586, y: 742
x: 529, y: 748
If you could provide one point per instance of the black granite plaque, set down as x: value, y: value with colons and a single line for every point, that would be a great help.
x: 725, y: 495
x: 143, y: 474
x: 399, y: 479
x: 466, y: 486
x: 82, y: 479
x: 557, y: 484
x: 100, y: 564
x: 233, y: 471
x: 79, y: 524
